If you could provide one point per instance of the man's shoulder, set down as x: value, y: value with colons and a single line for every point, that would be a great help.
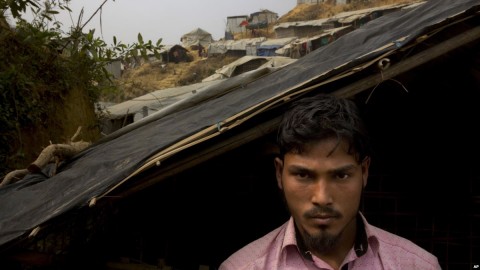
x: 401, y: 249
x: 255, y: 251
x: 391, y: 240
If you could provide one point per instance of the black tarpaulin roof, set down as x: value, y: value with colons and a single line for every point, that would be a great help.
x: 25, y: 205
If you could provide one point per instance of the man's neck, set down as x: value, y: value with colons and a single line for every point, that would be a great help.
x: 336, y: 255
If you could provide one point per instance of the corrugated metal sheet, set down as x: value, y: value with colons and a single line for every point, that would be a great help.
x: 221, y: 47
x: 318, y: 22
x: 351, y: 16
x: 277, y: 42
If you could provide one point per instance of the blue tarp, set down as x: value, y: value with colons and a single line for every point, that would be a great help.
x: 268, y: 50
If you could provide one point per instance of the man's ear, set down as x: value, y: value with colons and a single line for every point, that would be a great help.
x: 365, y: 168
x: 278, y: 171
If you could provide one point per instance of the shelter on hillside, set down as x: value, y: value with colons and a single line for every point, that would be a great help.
x: 302, y: 46
x: 125, y: 113
x: 235, y: 24
x: 269, y: 46
x: 261, y: 19
x: 175, y: 53
x: 248, y: 63
x: 264, y: 15
x: 139, y: 59
x: 234, y: 47
x: 302, y: 29
x: 357, y: 18
x: 132, y: 196
x: 196, y: 37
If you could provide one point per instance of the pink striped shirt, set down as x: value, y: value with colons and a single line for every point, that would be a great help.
x: 278, y: 250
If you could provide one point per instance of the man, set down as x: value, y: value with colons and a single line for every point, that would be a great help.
x: 322, y: 170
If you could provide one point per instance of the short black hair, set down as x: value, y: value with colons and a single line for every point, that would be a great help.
x: 320, y: 117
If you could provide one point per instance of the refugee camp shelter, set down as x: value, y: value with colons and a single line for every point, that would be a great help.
x: 201, y: 174
x: 261, y: 20
x: 240, y: 47
x: 248, y: 63
x: 302, y: 46
x: 265, y: 16
x: 175, y: 54
x: 301, y: 29
x: 269, y: 46
x: 196, y: 37
x: 357, y: 18
x: 122, y: 114
x: 235, y: 24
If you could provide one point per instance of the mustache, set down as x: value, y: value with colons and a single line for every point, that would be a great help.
x: 319, y: 211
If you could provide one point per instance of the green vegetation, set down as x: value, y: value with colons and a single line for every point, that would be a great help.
x: 49, y: 79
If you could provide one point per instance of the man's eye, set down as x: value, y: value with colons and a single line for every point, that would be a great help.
x: 342, y: 176
x: 302, y: 175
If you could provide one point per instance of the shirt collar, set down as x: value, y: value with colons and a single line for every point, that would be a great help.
x: 289, y: 238
x: 370, y: 235
x: 361, y: 240
x: 365, y: 238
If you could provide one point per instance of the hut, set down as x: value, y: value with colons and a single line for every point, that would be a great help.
x: 130, y: 199
x: 269, y: 46
x: 196, y: 37
x: 235, y: 24
x: 175, y: 53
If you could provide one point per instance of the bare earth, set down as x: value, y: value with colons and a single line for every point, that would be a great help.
x: 154, y: 76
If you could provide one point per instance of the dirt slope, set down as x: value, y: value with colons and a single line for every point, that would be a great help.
x: 156, y: 76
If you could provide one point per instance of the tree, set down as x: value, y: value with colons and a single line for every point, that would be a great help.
x: 50, y: 79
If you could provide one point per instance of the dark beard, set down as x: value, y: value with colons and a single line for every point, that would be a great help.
x: 320, y: 243
x: 323, y: 241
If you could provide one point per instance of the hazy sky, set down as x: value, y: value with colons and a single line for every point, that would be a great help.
x: 166, y: 19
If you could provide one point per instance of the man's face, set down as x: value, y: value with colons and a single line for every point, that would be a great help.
x: 322, y: 188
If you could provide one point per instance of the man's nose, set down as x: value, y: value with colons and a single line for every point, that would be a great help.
x: 322, y: 193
